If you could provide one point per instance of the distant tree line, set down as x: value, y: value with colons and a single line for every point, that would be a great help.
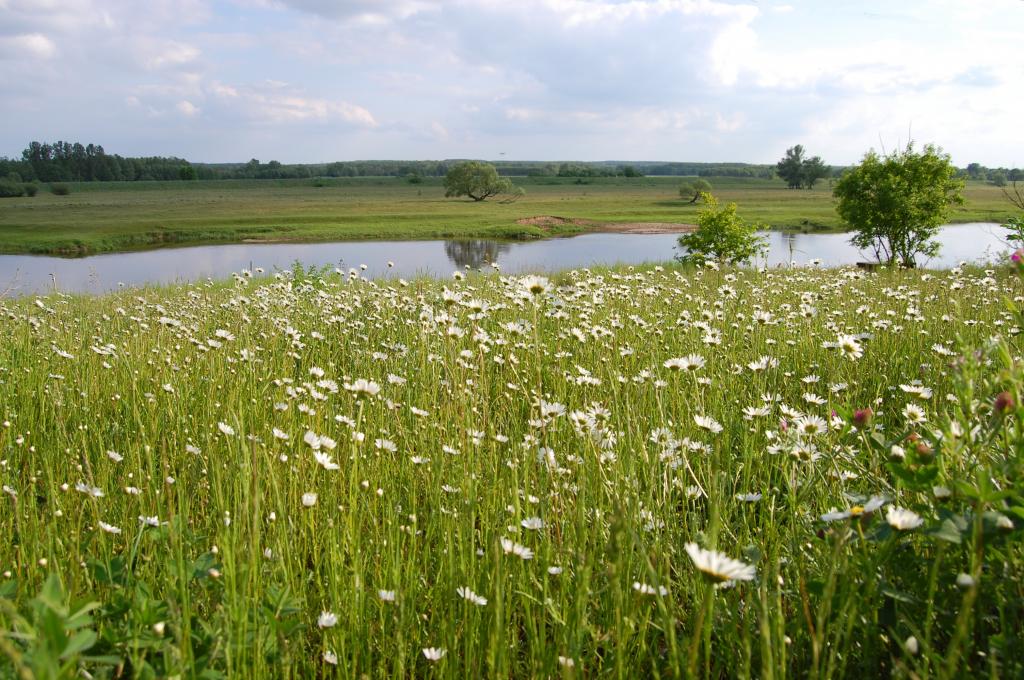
x: 996, y: 176
x: 637, y: 169
x: 74, y: 162
x: 64, y: 161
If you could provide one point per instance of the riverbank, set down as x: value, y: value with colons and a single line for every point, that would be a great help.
x: 112, y: 217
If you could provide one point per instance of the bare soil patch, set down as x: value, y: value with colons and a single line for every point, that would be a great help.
x: 551, y: 221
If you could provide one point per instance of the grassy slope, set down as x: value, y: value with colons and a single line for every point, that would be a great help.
x: 119, y: 216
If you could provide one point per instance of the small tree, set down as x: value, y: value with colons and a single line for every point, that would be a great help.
x: 791, y: 167
x: 814, y: 169
x: 721, y: 235
x: 895, y: 203
x: 476, y: 180
x: 800, y: 172
x: 691, y: 191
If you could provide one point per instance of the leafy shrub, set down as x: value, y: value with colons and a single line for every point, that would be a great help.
x: 30, y: 189
x: 691, y: 191
x: 721, y: 235
x: 9, y: 189
x: 60, y: 189
x: 477, y: 180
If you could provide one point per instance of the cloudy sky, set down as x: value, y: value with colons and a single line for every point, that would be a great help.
x: 699, y: 80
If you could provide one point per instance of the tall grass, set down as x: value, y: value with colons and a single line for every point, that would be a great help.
x: 494, y: 476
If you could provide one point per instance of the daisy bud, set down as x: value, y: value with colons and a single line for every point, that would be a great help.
x: 965, y: 580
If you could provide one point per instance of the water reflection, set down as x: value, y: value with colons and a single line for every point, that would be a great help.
x: 475, y: 253
x: 99, y: 273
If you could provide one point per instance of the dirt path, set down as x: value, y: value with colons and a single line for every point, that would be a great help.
x: 549, y: 221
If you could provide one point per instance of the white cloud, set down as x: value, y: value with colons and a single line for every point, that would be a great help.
x: 167, y: 53
x: 34, y: 45
x: 629, y: 79
x: 440, y: 132
x: 519, y: 113
x: 287, y: 108
x: 729, y: 123
x: 372, y: 11
x: 222, y: 90
x: 187, y: 108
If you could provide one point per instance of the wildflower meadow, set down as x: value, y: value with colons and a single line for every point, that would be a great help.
x: 626, y: 472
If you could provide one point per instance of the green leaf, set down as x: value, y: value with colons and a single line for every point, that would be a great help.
x: 1015, y: 510
x: 51, y: 596
x: 201, y: 567
x: 946, y: 530
x: 79, y: 642
x: 81, y: 617
x: 897, y: 595
x: 926, y: 475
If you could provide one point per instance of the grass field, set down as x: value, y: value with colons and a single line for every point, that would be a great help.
x: 639, y: 472
x: 98, y: 217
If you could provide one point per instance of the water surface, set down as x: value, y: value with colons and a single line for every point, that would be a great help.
x: 24, y: 274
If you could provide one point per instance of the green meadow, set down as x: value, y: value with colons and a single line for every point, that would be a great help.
x: 105, y: 216
x: 634, y: 472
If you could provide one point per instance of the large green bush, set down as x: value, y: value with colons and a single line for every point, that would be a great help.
x: 476, y: 180
x: 9, y: 189
x: 896, y: 203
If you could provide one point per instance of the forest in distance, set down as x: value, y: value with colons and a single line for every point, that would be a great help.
x: 65, y: 161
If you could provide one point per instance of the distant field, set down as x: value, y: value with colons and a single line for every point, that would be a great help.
x: 103, y: 216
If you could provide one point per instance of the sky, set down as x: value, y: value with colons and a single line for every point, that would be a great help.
x: 303, y: 81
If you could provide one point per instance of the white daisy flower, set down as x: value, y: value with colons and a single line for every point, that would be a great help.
x: 645, y: 589
x: 719, y: 567
x: 513, y: 548
x: 532, y: 523
x: 903, y: 519
x: 467, y: 594
x: 708, y: 423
